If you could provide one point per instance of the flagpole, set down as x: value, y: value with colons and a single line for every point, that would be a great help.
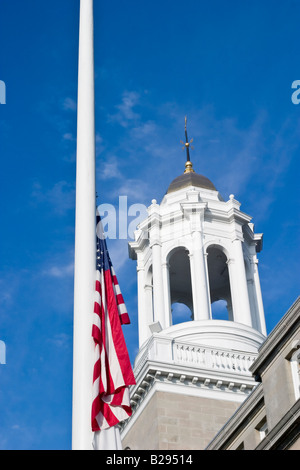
x: 85, y: 240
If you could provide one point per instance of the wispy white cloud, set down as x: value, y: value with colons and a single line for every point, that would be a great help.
x: 135, y: 189
x: 69, y: 104
x: 99, y: 144
x: 6, y: 294
x: 125, y: 114
x: 60, y: 271
x: 69, y: 136
x: 143, y: 130
x: 61, y: 196
x: 109, y: 169
x: 60, y: 341
x: 10, y: 282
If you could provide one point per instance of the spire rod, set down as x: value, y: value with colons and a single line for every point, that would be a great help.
x: 187, y: 145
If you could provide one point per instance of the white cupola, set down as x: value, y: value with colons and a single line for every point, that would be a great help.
x: 195, y: 250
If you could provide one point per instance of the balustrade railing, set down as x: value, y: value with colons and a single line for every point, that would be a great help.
x: 212, y: 358
x: 193, y: 355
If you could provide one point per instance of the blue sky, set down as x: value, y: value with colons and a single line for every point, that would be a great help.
x: 228, y: 66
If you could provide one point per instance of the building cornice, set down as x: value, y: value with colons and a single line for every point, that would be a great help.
x: 278, y: 336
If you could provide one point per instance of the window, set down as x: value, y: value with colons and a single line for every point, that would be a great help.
x: 219, y: 310
x: 262, y: 428
x: 180, y: 286
x: 241, y: 446
x: 295, y: 364
x: 219, y: 284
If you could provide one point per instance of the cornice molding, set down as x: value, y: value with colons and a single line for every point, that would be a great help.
x: 279, y: 335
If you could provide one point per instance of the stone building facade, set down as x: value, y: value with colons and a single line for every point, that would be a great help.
x: 269, y: 419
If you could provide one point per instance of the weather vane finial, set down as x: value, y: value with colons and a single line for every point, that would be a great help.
x: 187, y: 145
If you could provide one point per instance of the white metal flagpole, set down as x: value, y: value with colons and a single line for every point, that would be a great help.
x: 85, y: 236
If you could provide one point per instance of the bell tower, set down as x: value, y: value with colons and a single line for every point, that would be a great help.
x: 200, y: 314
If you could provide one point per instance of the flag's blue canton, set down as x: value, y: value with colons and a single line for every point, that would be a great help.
x: 103, y: 260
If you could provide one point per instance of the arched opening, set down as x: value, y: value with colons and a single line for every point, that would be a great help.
x: 180, y: 286
x: 180, y: 313
x: 219, y: 310
x: 219, y: 284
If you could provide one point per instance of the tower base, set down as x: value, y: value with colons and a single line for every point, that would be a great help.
x: 190, y: 379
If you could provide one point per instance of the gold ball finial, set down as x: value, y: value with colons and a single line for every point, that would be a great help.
x: 189, y: 167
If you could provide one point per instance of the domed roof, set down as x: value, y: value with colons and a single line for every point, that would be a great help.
x: 190, y: 179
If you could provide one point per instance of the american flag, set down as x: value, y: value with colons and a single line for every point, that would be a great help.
x: 112, y: 369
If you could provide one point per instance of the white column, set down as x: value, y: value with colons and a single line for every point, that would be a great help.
x: 261, y: 315
x: 167, y: 296
x: 155, y: 246
x: 193, y: 282
x: 143, y: 320
x: 207, y: 283
x: 85, y: 249
x: 233, y: 289
x: 200, y: 287
x: 240, y: 297
x: 148, y: 307
x: 158, y: 296
x: 253, y: 304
